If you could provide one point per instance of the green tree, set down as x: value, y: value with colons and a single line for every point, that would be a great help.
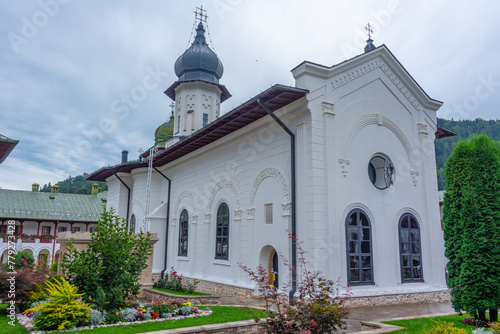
x: 108, y: 270
x: 471, y: 218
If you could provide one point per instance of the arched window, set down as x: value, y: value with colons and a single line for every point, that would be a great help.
x: 132, y: 224
x: 359, y: 248
x: 409, y: 248
x: 222, y: 233
x: 183, y: 233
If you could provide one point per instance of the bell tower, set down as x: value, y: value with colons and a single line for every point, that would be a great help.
x: 197, y: 92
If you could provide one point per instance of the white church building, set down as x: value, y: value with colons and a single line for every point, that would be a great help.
x: 344, y: 160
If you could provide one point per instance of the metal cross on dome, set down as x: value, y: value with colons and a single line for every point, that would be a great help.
x: 369, y: 30
x: 201, y: 15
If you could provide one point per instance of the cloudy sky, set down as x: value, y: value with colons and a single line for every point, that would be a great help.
x: 80, y: 81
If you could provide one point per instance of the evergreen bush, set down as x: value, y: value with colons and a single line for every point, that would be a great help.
x: 108, y: 270
x: 443, y: 327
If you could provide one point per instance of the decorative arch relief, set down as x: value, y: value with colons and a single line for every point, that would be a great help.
x: 223, y: 184
x: 269, y: 172
x: 185, y: 194
x: 377, y: 119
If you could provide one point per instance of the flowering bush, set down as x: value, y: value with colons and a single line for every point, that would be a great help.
x: 174, y: 282
x: 318, y: 307
x: 471, y: 321
x: 26, y: 280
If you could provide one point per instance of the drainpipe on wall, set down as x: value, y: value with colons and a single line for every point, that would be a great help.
x: 294, y: 229
x: 128, y: 197
x: 166, y: 227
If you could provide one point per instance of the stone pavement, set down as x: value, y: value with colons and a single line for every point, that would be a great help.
x: 375, y: 313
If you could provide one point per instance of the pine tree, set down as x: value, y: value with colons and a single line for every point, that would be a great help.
x: 471, y: 218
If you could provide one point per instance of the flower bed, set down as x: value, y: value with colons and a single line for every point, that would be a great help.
x: 134, y: 314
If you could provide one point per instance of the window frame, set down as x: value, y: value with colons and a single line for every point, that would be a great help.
x: 223, y: 220
x: 183, y: 227
x: 359, y: 254
x: 411, y: 254
x: 133, y: 222
x: 46, y: 230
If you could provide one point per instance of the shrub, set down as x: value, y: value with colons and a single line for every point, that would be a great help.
x: 186, y: 310
x: 63, y: 311
x: 97, y: 317
x: 23, y: 259
x: 26, y: 279
x: 108, y: 275
x: 113, y: 317
x: 471, y: 321
x: 128, y: 314
x: 495, y: 327
x: 443, y: 327
x: 318, y: 307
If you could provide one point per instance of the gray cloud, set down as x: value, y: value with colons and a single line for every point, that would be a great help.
x: 72, y: 73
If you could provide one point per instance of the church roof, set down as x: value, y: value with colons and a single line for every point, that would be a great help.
x: 6, y: 146
x: 44, y: 206
x: 198, y: 63
x: 273, y: 98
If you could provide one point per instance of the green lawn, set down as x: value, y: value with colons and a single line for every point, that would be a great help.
x: 182, y: 293
x: 220, y: 314
x: 414, y: 326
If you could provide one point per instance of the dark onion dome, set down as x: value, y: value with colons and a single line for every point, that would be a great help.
x: 199, y: 62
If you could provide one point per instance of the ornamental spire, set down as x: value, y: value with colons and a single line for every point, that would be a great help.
x: 369, y: 42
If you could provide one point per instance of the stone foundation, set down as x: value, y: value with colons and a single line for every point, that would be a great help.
x: 161, y: 296
x: 397, y: 299
x: 221, y: 289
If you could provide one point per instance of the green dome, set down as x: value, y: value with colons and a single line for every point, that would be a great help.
x: 164, y: 132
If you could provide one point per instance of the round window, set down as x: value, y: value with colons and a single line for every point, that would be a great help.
x: 381, y: 171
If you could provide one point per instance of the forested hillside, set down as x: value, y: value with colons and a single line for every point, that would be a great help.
x: 465, y: 130
x: 75, y: 185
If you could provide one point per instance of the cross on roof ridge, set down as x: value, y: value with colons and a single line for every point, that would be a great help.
x: 369, y: 30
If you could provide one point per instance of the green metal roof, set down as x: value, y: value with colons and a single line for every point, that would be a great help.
x: 39, y: 206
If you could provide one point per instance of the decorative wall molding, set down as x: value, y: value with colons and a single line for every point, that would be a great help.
x: 237, y: 214
x: 374, y: 119
x: 173, y: 221
x: 414, y: 175
x: 223, y: 184
x: 328, y: 108
x: 274, y: 173
x: 137, y: 202
x: 208, y: 218
x: 194, y: 219
x: 185, y: 194
x: 344, y: 163
x: 422, y: 129
x: 287, y: 209
x: 365, y: 68
x: 250, y: 213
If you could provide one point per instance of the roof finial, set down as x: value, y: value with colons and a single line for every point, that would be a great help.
x: 172, y: 106
x: 369, y: 42
x: 201, y: 15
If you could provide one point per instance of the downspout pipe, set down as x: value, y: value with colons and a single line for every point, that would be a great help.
x: 128, y: 197
x: 168, y: 218
x: 294, y: 224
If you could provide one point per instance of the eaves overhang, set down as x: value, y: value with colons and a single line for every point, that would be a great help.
x: 274, y: 98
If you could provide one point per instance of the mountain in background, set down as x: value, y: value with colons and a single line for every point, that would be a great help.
x: 75, y: 185
x: 465, y: 129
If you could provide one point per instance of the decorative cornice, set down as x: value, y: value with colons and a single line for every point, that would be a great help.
x: 365, y: 68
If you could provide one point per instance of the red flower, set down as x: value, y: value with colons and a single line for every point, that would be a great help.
x: 175, y: 272
x: 180, y: 278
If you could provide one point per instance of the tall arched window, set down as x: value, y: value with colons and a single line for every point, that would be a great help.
x: 222, y: 233
x: 409, y: 248
x: 359, y: 248
x: 183, y: 233
x: 132, y: 224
